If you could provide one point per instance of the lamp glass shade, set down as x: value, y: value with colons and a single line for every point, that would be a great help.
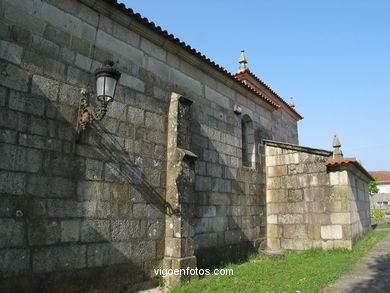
x: 105, y: 87
x: 106, y: 80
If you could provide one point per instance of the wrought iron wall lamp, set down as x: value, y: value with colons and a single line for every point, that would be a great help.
x: 106, y: 81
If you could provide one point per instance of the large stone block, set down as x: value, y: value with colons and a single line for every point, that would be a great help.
x: 14, y: 261
x: 93, y: 169
x: 57, y: 36
x: 339, y: 206
x: 44, y: 186
x: 233, y: 236
x: 206, y: 240
x: 154, y: 228
x: 51, y: 259
x: 77, y: 77
x: 276, y: 171
x: 206, y: 211
x: 291, y: 219
x: 295, y: 231
x: 296, y: 244
x: 20, y: 158
x: 143, y: 250
x: 153, y: 50
x: 295, y: 195
x: 22, y: 102
x: 277, y: 195
x: 274, y: 231
x: 273, y: 244
x: 135, y: 115
x: 219, y: 198
x: 204, y: 225
x: 90, y: 190
x: 154, y: 121
x: 12, y: 232
x: 340, y: 218
x: 274, y: 183
x: 341, y: 192
x: 110, y: 43
x: 95, y: 230
x: 12, y: 183
x: 70, y: 230
x: 331, y: 232
x: 69, y: 95
x: 184, y: 81
x: 132, y: 82
x: 126, y: 229
x: 11, y: 52
x: 44, y: 46
x: 43, y: 232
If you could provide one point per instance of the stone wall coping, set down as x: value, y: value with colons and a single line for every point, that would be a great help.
x: 294, y: 147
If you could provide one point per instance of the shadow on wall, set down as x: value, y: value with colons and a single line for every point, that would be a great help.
x: 231, y: 215
x: 83, y: 227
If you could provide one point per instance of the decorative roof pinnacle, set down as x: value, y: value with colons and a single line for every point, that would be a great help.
x: 292, y: 104
x: 337, y: 153
x: 243, y: 62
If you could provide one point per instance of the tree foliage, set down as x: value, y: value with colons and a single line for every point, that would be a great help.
x: 373, y: 187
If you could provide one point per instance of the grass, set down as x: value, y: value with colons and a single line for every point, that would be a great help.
x: 382, y: 226
x: 307, y: 271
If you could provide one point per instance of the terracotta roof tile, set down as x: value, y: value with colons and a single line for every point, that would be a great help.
x: 188, y: 48
x: 381, y: 176
x: 238, y: 74
x: 345, y: 160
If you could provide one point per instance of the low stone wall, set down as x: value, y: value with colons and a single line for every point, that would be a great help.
x: 380, y: 221
x: 310, y: 205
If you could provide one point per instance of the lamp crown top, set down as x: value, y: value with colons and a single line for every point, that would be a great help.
x: 109, y: 63
x: 108, y: 70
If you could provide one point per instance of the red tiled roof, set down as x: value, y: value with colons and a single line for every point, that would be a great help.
x: 342, y: 160
x: 380, y: 176
x: 188, y: 48
x: 238, y: 74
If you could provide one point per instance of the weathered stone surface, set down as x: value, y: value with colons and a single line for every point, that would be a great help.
x: 14, y: 261
x: 94, y: 169
x: 20, y: 159
x: 12, y: 183
x: 320, y: 211
x: 22, y: 102
x: 126, y: 229
x: 95, y: 230
x: 51, y: 259
x: 331, y: 232
x: 295, y: 195
x: 11, y: 52
x: 43, y: 232
x: 12, y: 233
x: 70, y: 230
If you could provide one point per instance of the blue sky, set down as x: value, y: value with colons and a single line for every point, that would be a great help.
x: 332, y: 56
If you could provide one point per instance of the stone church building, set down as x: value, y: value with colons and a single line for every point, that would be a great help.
x: 183, y: 165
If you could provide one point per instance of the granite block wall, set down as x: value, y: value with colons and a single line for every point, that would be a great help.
x: 79, y: 216
x: 310, y: 204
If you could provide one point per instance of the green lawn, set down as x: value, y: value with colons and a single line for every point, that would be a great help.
x: 307, y: 271
x: 383, y: 226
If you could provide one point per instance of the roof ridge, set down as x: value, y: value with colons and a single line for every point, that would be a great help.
x: 270, y: 89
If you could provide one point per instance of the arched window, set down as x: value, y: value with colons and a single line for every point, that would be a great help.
x: 248, y: 142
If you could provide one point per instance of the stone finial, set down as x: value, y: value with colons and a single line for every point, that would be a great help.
x: 292, y: 104
x: 243, y: 62
x: 337, y: 153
